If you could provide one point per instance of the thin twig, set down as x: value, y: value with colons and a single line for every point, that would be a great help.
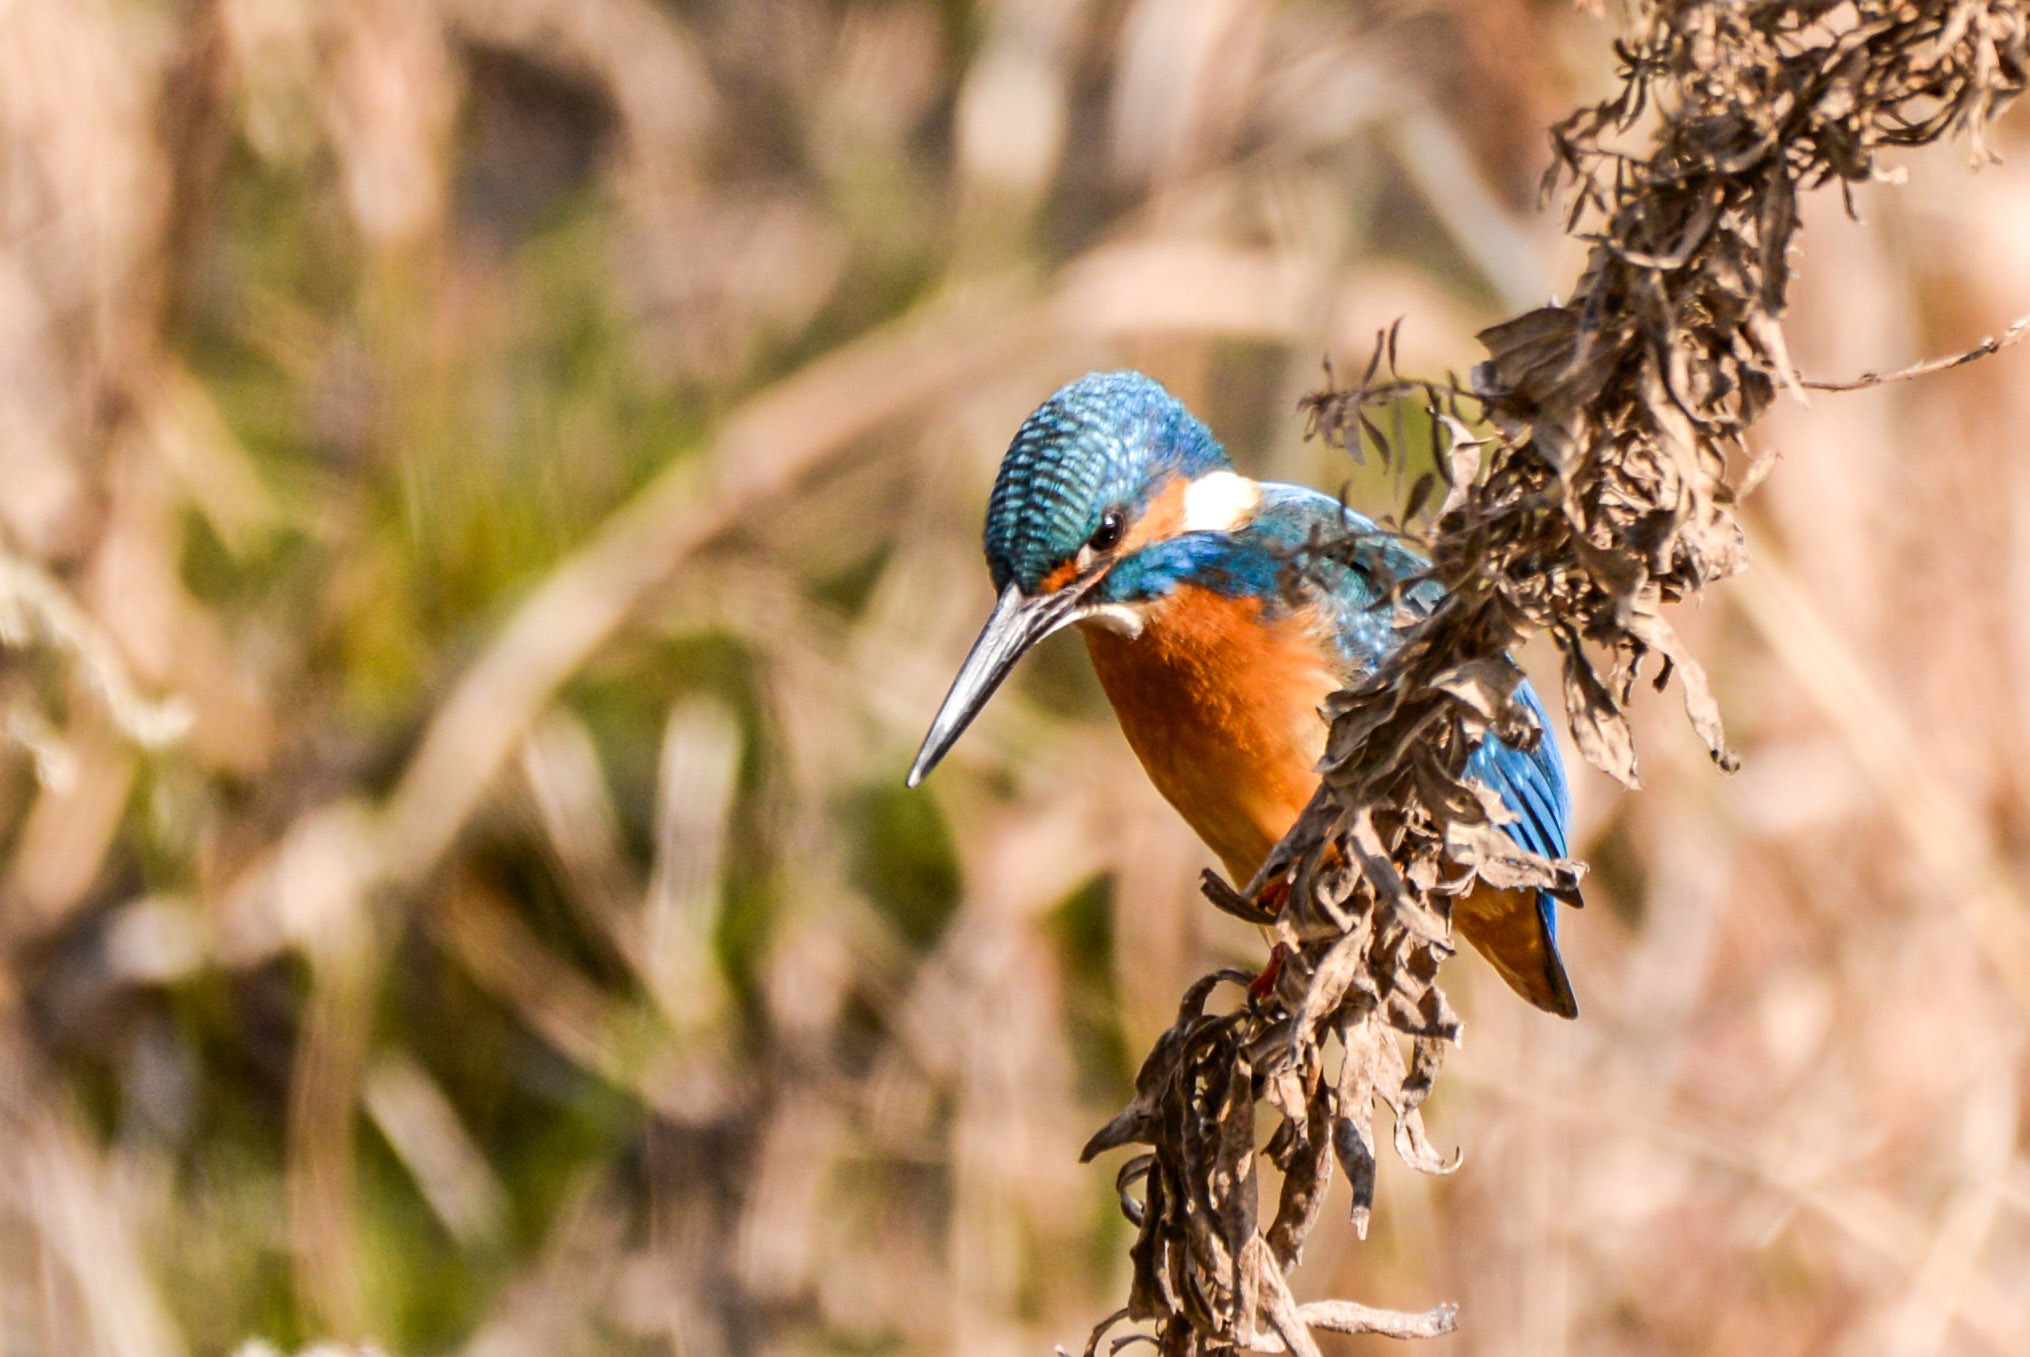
x: 1993, y: 344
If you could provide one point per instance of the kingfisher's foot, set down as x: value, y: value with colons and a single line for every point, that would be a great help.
x: 1274, y: 894
x: 1264, y: 984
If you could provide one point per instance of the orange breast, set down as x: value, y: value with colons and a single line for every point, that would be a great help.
x: 1221, y: 707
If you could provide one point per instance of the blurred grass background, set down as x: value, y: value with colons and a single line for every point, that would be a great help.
x: 491, y: 501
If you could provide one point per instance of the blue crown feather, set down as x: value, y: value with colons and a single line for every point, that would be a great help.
x: 1108, y: 439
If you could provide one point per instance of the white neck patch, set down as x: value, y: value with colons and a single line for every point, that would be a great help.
x: 1220, y: 501
x: 1122, y: 619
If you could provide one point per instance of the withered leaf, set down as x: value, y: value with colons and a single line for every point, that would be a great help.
x: 1150, y: 1294
x: 1415, y: 1149
x: 1598, y: 727
x: 1404, y: 1089
x: 1651, y: 629
x: 1307, y: 1174
x: 1484, y: 685
x: 1277, y: 1304
x: 1420, y: 494
x: 1232, y: 1180
x: 1329, y: 982
x: 1157, y: 1077
x: 1230, y: 901
x: 1360, y: 1075
x: 1132, y: 1172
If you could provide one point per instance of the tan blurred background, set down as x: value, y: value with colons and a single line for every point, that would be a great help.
x: 489, y: 495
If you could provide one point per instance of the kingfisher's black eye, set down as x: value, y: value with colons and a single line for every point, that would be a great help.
x: 1108, y: 535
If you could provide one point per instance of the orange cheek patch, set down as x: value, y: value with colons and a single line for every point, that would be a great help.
x: 1061, y: 576
x: 1163, y: 519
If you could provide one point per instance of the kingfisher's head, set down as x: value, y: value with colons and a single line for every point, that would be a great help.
x: 1084, y: 471
x: 1106, y: 468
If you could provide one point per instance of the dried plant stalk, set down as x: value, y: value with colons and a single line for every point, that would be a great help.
x: 35, y: 609
x: 1605, y: 490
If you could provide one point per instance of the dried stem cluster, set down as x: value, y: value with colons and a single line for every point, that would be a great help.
x: 1605, y: 490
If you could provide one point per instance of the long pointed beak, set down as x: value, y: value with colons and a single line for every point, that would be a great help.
x: 1018, y: 623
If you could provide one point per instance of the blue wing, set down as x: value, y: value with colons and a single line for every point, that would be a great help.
x: 1532, y: 785
x: 1353, y: 596
x: 1523, y: 949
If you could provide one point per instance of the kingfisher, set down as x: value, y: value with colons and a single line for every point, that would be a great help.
x: 1117, y: 512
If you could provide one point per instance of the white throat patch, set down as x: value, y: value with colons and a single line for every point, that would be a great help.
x: 1220, y: 501
x: 1122, y: 619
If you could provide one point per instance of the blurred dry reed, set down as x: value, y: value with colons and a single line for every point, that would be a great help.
x: 492, y: 493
